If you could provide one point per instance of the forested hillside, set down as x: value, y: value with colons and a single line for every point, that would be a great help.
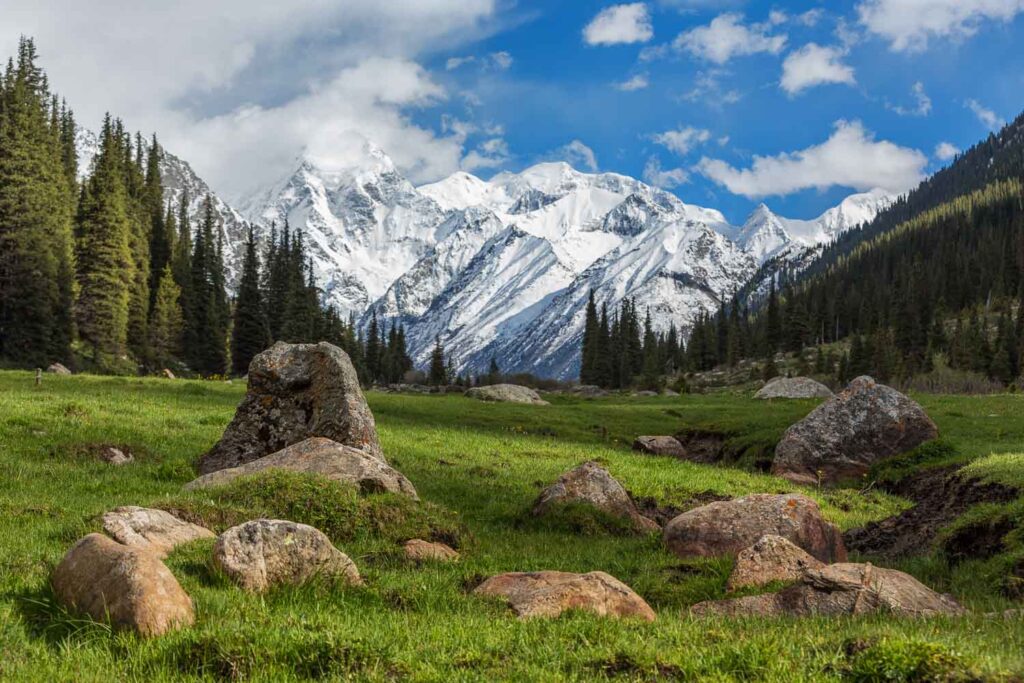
x: 937, y: 277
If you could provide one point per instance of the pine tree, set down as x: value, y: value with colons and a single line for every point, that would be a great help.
x: 106, y: 269
x: 438, y: 373
x: 250, y: 333
x: 590, y: 345
x: 373, y: 349
x: 36, y: 207
x: 165, y: 322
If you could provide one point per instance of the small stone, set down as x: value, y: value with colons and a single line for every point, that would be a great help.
x: 129, y: 587
x: 155, y: 530
x: 659, y: 445
x: 419, y: 550
x: 549, y: 594
x: 772, y: 558
x: 264, y: 553
x: 115, y: 456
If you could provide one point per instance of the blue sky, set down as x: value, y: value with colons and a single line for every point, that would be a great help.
x: 558, y: 88
x: 727, y: 103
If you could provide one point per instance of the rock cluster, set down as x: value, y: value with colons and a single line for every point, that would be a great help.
x: 847, y: 434
x: 296, y: 391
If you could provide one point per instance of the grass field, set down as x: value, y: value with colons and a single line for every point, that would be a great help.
x: 479, y: 466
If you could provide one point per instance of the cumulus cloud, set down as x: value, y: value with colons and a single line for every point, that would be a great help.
x: 620, y: 24
x: 908, y: 25
x: 576, y: 154
x: 490, y: 153
x: 247, y: 86
x: 638, y: 82
x: 682, y: 140
x: 988, y: 118
x: 709, y: 90
x: 665, y: 178
x: 727, y: 37
x: 946, y: 151
x: 814, y: 65
x: 851, y: 157
x: 922, y: 103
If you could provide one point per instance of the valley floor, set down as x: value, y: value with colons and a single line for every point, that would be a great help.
x: 486, y: 463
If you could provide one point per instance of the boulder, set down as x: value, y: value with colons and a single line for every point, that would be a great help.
x: 659, y: 445
x: 794, y: 387
x: 318, y: 455
x: 129, y: 587
x: 844, y: 436
x: 116, y: 456
x: 155, y: 530
x: 840, y: 590
x: 506, y: 393
x: 296, y: 391
x: 548, y: 594
x: 168, y: 374
x: 590, y: 391
x: 264, y: 553
x: 646, y: 393
x: 592, y: 484
x: 419, y: 550
x: 772, y: 558
x: 728, y: 527
x: 58, y: 369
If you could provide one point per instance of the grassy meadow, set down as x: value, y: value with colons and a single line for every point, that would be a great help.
x: 478, y: 468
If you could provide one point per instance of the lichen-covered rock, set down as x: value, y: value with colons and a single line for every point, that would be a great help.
x: 129, y: 587
x: 326, y: 458
x: 506, y: 393
x: 264, y: 553
x: 659, y: 445
x: 58, y: 369
x: 727, y: 527
x: 842, y: 589
x: 296, y: 391
x: 419, y: 550
x: 794, y: 387
x: 155, y: 530
x: 593, y: 485
x: 549, y: 594
x: 847, y: 434
x: 772, y: 558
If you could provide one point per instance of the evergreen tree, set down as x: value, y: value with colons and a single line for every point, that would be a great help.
x: 438, y: 373
x: 250, y: 333
x: 165, y: 322
x: 590, y: 347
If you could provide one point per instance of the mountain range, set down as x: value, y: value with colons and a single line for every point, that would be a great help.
x: 503, y: 268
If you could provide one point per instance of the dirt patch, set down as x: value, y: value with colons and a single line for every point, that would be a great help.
x: 703, y: 446
x: 625, y: 666
x: 652, y: 508
x: 940, y: 496
x: 978, y: 541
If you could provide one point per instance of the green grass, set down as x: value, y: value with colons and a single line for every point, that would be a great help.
x: 478, y: 467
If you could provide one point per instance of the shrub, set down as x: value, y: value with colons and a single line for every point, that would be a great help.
x: 908, y: 662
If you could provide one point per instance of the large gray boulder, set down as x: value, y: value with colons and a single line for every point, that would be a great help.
x: 264, y: 553
x: 296, y: 391
x: 847, y: 434
x: 129, y: 587
x: 727, y: 527
x: 506, y: 393
x: 841, y: 590
x: 548, y: 594
x: 591, y: 484
x: 324, y: 457
x: 794, y: 387
x: 155, y: 530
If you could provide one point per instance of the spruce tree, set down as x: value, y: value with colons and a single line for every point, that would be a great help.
x: 165, y: 322
x: 250, y: 333
x: 438, y: 373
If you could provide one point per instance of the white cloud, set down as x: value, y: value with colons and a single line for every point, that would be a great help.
x: 638, y: 82
x: 620, y: 24
x: 987, y: 117
x: 684, y: 139
x: 496, y: 61
x: 811, y: 17
x: 923, y: 103
x: 454, y: 63
x: 576, y: 154
x: 488, y: 154
x: 240, y: 88
x: 814, y: 65
x: 666, y: 178
x: 851, y: 157
x: 727, y: 37
x: 501, y: 60
x: 946, y: 151
x: 708, y: 89
x: 908, y: 25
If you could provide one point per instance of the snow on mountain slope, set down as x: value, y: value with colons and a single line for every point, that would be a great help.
x: 766, y: 235
x: 674, y: 269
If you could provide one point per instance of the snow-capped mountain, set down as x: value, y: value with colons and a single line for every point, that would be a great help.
x: 766, y: 236
x: 503, y: 268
